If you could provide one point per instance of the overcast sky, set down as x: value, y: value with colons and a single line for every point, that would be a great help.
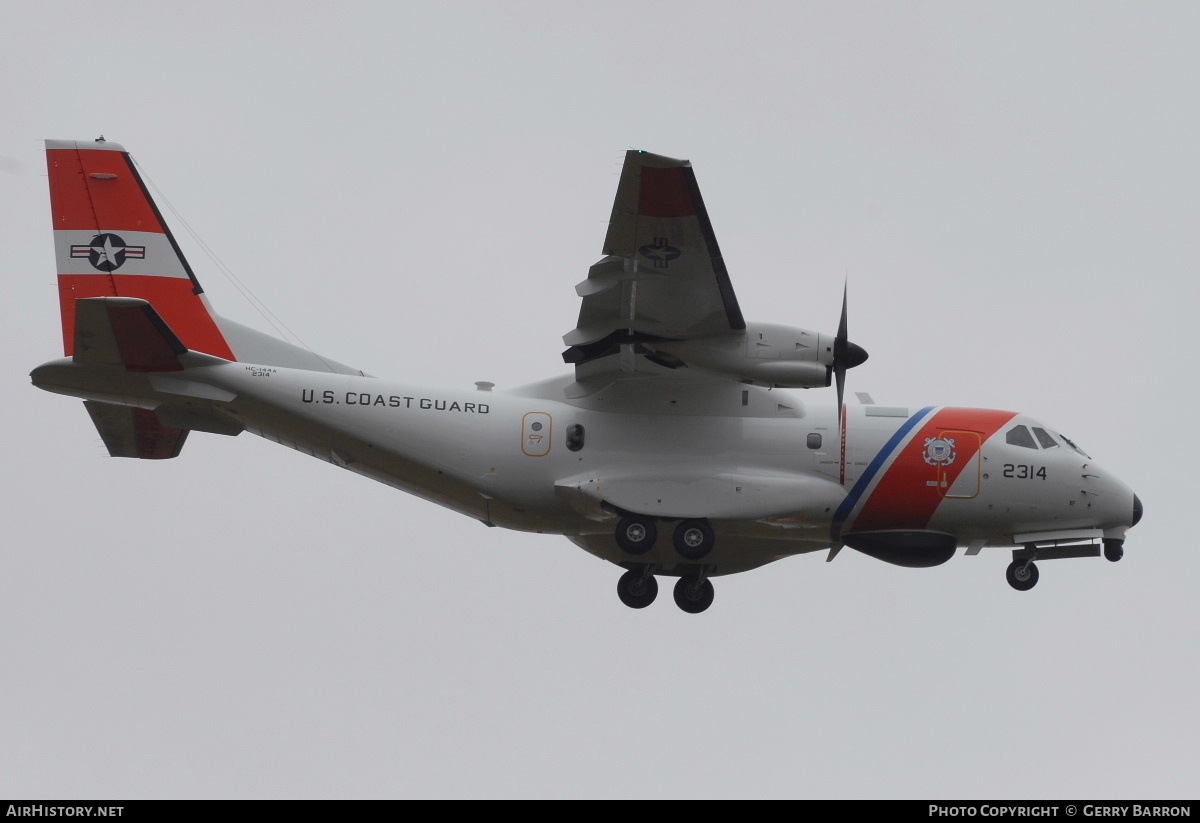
x: 414, y: 189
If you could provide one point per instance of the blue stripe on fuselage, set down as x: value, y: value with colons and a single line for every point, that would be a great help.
x: 843, y: 511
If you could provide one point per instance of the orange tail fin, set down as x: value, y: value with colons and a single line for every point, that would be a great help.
x: 110, y: 241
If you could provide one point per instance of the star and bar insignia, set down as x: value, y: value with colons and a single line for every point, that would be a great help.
x: 108, y: 252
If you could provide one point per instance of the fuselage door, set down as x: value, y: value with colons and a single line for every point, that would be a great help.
x: 536, y: 429
x: 956, y: 454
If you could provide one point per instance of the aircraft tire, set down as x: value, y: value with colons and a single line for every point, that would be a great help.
x: 1113, y: 550
x: 1022, y: 576
x: 637, y: 591
x: 692, y: 594
x: 693, y: 539
x: 636, y: 535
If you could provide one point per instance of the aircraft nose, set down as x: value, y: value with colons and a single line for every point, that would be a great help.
x: 1137, y: 510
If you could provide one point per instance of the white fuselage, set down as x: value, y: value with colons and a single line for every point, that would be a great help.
x: 766, y: 468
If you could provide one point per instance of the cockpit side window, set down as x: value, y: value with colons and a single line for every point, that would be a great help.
x: 1020, y: 436
x: 1044, y: 438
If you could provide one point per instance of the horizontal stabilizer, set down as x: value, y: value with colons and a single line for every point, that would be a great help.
x: 125, y: 331
x: 134, y: 432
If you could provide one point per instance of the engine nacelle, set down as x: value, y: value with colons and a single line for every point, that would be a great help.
x: 765, y: 355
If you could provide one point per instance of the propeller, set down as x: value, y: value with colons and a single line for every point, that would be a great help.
x: 846, y: 355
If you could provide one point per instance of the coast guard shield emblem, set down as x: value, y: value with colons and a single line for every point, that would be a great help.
x: 939, y: 451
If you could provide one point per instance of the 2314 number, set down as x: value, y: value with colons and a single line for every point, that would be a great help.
x: 1023, y: 472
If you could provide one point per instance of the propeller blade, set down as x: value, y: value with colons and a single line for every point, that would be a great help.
x: 846, y: 355
x: 839, y: 374
x: 841, y: 335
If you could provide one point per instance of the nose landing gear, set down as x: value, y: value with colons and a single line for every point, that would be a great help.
x: 1022, y: 574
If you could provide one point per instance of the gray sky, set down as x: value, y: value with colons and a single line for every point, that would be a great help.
x: 414, y: 188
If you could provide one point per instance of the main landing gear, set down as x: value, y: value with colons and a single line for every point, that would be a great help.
x: 636, y: 534
x: 693, y: 593
x: 693, y: 539
x: 638, y: 588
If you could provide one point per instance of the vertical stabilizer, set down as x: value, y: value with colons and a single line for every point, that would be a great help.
x: 110, y: 241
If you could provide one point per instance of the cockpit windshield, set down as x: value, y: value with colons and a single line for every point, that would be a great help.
x: 1020, y: 436
x: 1044, y: 438
x: 1040, y: 437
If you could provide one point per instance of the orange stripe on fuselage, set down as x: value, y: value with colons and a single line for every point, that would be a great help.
x: 904, y: 498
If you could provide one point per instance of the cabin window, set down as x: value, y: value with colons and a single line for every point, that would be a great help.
x: 1044, y: 438
x: 575, y: 437
x: 814, y: 440
x: 1020, y: 436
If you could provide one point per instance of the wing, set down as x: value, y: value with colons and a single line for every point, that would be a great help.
x: 663, y: 277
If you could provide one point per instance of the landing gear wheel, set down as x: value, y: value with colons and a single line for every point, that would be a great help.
x: 1113, y: 550
x: 693, y: 539
x: 636, y: 535
x: 692, y: 594
x: 636, y: 589
x: 1022, y: 575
